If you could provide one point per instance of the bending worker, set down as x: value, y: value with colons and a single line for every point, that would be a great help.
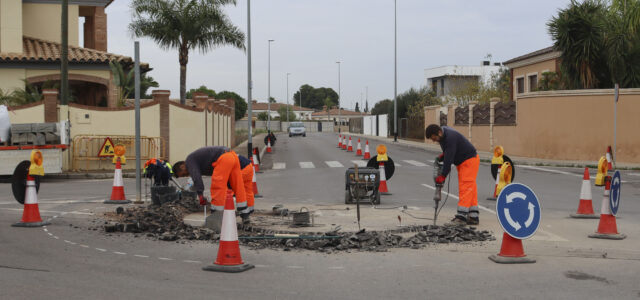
x: 246, y: 167
x: 459, y: 151
x: 224, y: 167
x: 159, y: 170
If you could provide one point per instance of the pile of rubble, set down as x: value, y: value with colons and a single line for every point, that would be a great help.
x: 411, y: 237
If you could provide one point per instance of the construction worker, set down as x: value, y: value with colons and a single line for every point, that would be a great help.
x: 246, y: 167
x: 459, y: 151
x: 161, y: 171
x: 224, y: 166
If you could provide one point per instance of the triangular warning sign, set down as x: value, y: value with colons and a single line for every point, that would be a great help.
x: 107, y: 148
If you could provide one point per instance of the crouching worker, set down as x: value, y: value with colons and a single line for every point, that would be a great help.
x: 224, y: 167
x: 459, y: 151
x: 158, y: 170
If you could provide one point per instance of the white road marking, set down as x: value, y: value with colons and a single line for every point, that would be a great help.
x: 550, y: 170
x: 50, y: 211
x: 45, y: 230
x: 415, y: 163
x: 119, y: 253
x: 397, y: 164
x: 192, y: 261
x: 295, y: 267
x: 334, y: 164
x: 360, y: 163
x: 69, y: 242
x: 141, y: 256
x: 261, y: 266
x: 336, y: 268
x: 50, y: 234
x: 100, y: 249
x: 634, y: 174
x: 164, y: 258
x: 84, y: 246
x: 306, y: 165
x: 56, y: 237
x: 278, y: 165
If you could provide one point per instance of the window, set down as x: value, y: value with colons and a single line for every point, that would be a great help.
x: 533, y: 83
x: 520, y: 85
x: 434, y: 86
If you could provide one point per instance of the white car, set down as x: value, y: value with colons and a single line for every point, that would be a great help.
x: 297, y: 128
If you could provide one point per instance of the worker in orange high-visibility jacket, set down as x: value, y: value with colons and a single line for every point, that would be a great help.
x: 246, y: 167
x: 459, y: 151
x: 224, y: 166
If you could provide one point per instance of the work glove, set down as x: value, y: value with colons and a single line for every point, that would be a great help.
x: 441, y: 157
x: 203, y: 200
x: 440, y: 179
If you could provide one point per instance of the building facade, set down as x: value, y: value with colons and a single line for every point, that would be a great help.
x: 445, y: 79
x: 526, y: 70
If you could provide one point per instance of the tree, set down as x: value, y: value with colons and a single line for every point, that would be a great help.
x: 357, y: 107
x: 263, y: 116
x: 241, y: 105
x: 382, y: 107
x: 202, y: 89
x: 185, y: 25
x: 146, y: 82
x: 272, y: 100
x: 327, y: 105
x: 314, y: 98
x: 125, y: 82
x: 282, y: 111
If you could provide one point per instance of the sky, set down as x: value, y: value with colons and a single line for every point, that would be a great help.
x: 312, y: 35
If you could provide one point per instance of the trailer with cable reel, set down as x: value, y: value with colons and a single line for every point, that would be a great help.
x: 362, y: 183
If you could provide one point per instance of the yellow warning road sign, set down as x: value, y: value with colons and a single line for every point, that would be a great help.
x: 107, y: 149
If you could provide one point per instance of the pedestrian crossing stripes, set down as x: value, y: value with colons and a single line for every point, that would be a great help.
x: 334, y: 164
x: 415, y: 163
x: 279, y: 165
x: 360, y: 163
x: 306, y: 165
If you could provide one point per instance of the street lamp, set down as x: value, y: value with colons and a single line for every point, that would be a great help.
x: 250, y: 109
x: 269, y: 89
x: 339, y: 112
x: 395, y: 70
x: 288, y: 97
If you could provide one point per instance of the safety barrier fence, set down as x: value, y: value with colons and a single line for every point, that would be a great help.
x: 85, y: 150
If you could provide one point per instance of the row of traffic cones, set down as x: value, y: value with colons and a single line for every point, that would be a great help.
x: 346, y: 145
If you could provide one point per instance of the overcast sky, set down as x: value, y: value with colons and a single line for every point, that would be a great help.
x: 311, y: 35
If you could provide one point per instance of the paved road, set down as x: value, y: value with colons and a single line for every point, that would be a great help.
x: 66, y: 260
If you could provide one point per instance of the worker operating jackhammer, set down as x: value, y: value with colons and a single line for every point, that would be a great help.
x: 224, y: 166
x: 459, y: 151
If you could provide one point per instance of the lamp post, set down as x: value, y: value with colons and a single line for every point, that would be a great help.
x: 288, y: 97
x: 395, y: 70
x: 269, y: 90
x: 249, y: 106
x: 339, y: 112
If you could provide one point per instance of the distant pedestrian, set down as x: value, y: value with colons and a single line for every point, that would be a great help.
x: 459, y: 151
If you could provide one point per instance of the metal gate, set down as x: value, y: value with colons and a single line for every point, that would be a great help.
x: 85, y: 149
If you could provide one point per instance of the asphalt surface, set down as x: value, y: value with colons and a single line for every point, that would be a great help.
x: 66, y: 260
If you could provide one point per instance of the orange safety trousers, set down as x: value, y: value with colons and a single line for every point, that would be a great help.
x: 247, y: 178
x: 227, y: 170
x: 467, y: 187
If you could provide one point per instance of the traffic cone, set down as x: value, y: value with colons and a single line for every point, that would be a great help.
x: 367, y: 154
x: 256, y: 163
x: 383, y: 180
x: 585, y: 208
x: 359, y: 149
x: 511, y: 252
x: 117, y: 191
x: 495, y: 189
x: 255, y: 185
x: 607, y: 228
x: 340, y: 141
x: 344, y: 142
x: 31, y: 212
x: 350, y: 147
x: 609, y: 158
x: 229, y: 259
x: 268, y: 145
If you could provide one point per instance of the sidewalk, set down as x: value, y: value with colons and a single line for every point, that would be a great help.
x: 486, y: 156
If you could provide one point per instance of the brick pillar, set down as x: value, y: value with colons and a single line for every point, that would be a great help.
x: 471, y: 105
x: 200, y: 99
x: 162, y: 96
x: 492, y: 114
x: 50, y: 105
x: 232, y: 106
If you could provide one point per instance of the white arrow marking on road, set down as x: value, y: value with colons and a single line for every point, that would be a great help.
x: 511, y: 222
x: 531, y: 215
x: 514, y: 195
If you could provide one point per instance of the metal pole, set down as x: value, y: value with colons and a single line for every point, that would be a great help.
x: 615, y: 122
x: 395, y: 70
x: 64, y: 55
x: 136, y: 46
x: 366, y: 96
x: 288, y: 97
x: 249, y: 83
x: 339, y: 98
x: 269, y: 89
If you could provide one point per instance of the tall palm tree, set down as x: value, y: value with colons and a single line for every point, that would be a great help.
x: 185, y: 25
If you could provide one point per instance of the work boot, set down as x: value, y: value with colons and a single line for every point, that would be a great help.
x: 473, y: 221
x: 245, y: 219
x: 457, y: 221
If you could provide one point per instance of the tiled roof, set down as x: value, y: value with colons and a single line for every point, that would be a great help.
x: 529, y: 55
x: 276, y: 106
x: 37, y: 50
x: 343, y: 112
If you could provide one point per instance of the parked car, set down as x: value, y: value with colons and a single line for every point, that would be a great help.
x: 297, y: 128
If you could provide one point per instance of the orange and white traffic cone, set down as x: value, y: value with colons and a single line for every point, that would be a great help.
x: 255, y: 185
x: 585, y: 208
x: 229, y: 259
x: 495, y: 189
x: 359, y: 149
x: 511, y: 252
x: 607, y: 228
x: 367, y: 154
x: 31, y: 212
x: 344, y: 142
x: 256, y: 163
x: 350, y: 147
x: 117, y: 191
x: 340, y: 141
x: 383, y: 180
x: 268, y: 145
x: 609, y: 158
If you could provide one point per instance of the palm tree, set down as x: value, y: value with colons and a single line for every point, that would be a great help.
x: 185, y: 25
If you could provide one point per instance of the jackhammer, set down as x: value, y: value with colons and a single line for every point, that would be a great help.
x: 437, y: 196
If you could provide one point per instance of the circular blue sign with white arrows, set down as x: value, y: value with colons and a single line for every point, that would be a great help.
x: 614, y: 194
x: 518, y: 211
